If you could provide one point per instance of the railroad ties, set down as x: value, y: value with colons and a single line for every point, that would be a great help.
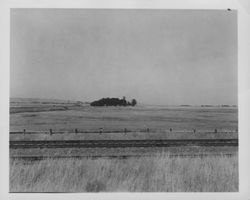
x: 120, y: 143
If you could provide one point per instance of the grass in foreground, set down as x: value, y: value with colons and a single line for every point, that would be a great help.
x: 145, y: 174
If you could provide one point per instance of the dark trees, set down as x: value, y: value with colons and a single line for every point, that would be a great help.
x: 113, y: 102
x: 134, y: 102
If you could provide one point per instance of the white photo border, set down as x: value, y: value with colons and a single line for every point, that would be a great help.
x: 243, y: 10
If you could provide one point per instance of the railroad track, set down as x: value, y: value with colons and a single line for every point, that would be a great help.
x: 120, y: 143
x: 198, y: 155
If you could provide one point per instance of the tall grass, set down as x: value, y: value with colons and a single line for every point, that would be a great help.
x: 146, y: 174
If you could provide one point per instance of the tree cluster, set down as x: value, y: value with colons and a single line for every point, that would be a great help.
x: 113, y: 102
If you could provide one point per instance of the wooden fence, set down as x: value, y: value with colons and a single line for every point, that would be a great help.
x: 125, y: 131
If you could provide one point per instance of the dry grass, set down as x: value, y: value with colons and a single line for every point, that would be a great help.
x: 145, y: 174
x: 132, y: 118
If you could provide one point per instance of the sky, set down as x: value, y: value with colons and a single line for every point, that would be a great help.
x: 158, y: 57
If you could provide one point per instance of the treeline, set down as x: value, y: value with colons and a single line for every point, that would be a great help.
x: 113, y: 102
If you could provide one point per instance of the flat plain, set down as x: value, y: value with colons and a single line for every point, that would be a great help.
x: 206, y: 168
x: 44, y: 115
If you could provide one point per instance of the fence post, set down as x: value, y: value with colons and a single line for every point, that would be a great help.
x: 125, y: 130
x: 170, y: 129
x: 215, y: 130
x: 148, y: 130
x: 194, y: 130
x: 50, y: 131
x: 76, y: 131
x: 24, y: 131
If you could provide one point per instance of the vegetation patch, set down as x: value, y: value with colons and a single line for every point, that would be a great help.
x: 113, y: 102
x: 160, y: 173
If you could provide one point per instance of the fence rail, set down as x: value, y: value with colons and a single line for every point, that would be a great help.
x: 125, y: 130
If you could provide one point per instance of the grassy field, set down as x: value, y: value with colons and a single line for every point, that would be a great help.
x: 144, y: 169
x: 156, y: 118
x: 145, y: 174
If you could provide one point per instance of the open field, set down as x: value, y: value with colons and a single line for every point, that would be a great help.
x: 159, y: 173
x: 192, y: 168
x: 156, y: 118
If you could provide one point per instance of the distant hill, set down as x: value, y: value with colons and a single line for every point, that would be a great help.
x: 19, y: 105
x: 40, y: 101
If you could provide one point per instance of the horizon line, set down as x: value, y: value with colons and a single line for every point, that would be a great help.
x: 143, y: 104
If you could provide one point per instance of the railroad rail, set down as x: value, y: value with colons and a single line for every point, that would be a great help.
x: 198, y: 155
x: 120, y: 143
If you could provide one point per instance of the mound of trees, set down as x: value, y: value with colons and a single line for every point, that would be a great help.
x: 113, y: 102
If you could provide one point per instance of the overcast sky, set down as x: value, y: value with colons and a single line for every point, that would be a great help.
x: 155, y: 56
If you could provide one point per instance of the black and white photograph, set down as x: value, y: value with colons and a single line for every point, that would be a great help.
x: 123, y: 100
